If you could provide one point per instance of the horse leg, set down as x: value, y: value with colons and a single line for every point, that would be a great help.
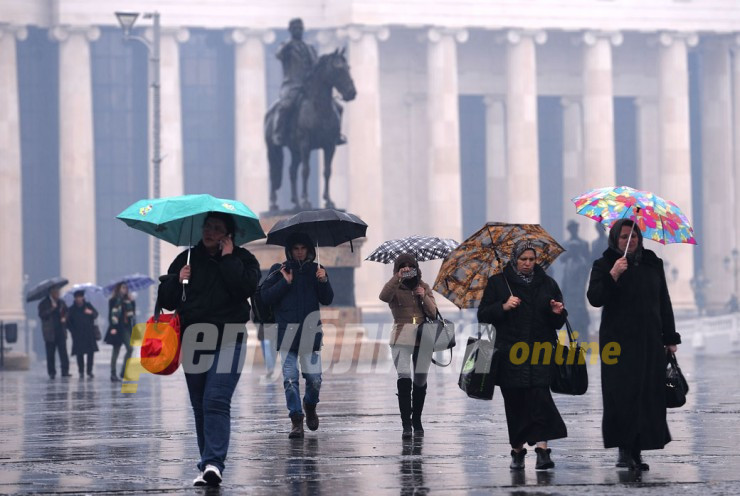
x: 328, y: 157
x: 275, y: 160
x: 306, y: 171
x: 295, y: 161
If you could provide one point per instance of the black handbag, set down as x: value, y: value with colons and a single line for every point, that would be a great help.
x: 96, y: 332
x: 480, y: 367
x: 676, y: 386
x: 569, y: 373
x: 436, y: 334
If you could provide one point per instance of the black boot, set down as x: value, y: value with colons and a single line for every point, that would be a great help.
x: 517, y: 459
x: 296, y: 431
x: 636, y: 463
x: 417, y: 401
x: 623, y: 460
x: 404, y: 406
x: 543, y: 459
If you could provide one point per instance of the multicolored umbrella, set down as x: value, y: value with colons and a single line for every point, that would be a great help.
x: 659, y: 219
x: 424, y: 248
x: 465, y: 272
x: 134, y: 282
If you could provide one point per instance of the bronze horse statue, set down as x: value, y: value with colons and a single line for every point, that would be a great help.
x: 314, y: 123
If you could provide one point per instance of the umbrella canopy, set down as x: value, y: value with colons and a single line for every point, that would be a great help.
x: 178, y: 219
x: 42, y: 289
x: 659, y: 219
x: 465, y: 272
x: 135, y: 282
x: 91, y: 290
x: 423, y: 248
x: 327, y: 227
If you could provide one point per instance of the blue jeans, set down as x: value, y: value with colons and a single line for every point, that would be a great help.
x: 310, y: 364
x: 268, y: 352
x: 210, y: 396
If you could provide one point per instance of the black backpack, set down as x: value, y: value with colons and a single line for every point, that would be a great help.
x: 262, y: 313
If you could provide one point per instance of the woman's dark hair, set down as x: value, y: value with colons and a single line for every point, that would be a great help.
x: 117, y: 290
x: 227, y: 219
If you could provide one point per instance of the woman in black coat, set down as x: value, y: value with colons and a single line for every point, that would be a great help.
x: 637, y: 314
x: 525, y: 305
x: 81, y: 324
x: 121, y: 322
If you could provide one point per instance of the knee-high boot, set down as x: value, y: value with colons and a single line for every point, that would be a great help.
x: 419, y: 395
x: 404, y: 405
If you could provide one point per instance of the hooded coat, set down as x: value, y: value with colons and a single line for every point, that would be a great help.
x: 219, y: 288
x: 81, y: 326
x: 408, y: 309
x: 293, y: 303
x: 532, y: 322
x: 637, y: 314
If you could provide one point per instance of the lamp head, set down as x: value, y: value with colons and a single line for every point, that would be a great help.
x: 127, y: 20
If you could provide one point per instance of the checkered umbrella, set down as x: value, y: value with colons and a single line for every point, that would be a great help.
x: 423, y: 248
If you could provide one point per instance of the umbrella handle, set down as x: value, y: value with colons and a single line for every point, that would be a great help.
x: 187, y: 281
x: 318, y: 257
x: 629, y: 239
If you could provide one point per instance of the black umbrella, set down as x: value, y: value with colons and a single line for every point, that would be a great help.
x: 42, y: 289
x: 326, y: 227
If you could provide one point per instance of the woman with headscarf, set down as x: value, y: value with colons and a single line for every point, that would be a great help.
x: 410, y: 300
x: 629, y: 283
x: 526, y: 307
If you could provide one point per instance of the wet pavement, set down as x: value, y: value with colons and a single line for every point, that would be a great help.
x: 84, y: 436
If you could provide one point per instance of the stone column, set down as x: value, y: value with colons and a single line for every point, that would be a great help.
x: 648, y: 144
x: 574, y: 182
x: 521, y: 125
x: 365, y: 155
x: 598, y: 109
x: 11, y: 204
x: 445, y: 195
x: 717, y: 158
x: 675, y: 153
x: 496, y: 199
x: 252, y: 175
x: 76, y: 154
x: 172, y: 174
x: 736, y: 157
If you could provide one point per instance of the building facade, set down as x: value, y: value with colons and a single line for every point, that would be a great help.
x: 467, y: 111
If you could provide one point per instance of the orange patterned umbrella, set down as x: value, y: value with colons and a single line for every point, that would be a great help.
x: 465, y: 272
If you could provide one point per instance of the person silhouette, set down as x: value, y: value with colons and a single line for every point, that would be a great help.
x: 577, y: 265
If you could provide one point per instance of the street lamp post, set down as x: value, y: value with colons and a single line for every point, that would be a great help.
x: 731, y: 266
x: 127, y: 20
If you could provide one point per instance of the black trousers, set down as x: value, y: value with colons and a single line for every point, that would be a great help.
x: 81, y: 363
x: 53, y: 347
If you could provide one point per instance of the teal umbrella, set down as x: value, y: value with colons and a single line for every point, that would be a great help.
x: 178, y: 219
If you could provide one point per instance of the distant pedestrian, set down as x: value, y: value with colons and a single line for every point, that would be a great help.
x: 221, y: 279
x: 525, y: 305
x: 121, y: 321
x: 81, y: 324
x: 576, y: 266
x: 53, y: 313
x: 410, y: 300
x: 295, y: 296
x: 637, y: 314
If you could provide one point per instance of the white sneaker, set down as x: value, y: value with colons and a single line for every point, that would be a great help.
x: 199, y: 481
x: 212, y: 475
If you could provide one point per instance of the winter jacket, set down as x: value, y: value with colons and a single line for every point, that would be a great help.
x: 407, y: 308
x: 81, y: 326
x: 218, y: 290
x: 638, y: 316
x: 52, y: 327
x: 121, y: 317
x: 293, y: 303
x: 533, y: 321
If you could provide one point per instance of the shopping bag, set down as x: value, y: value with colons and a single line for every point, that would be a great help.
x: 480, y: 366
x: 569, y: 373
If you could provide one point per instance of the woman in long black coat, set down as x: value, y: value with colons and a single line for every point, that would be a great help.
x: 637, y: 314
x: 525, y: 305
x: 81, y: 323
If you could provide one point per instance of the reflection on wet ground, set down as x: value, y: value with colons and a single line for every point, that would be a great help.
x: 83, y: 435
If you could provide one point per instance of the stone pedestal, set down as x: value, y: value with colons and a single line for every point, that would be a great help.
x: 345, y: 341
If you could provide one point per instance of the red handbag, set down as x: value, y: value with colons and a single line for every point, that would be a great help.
x: 160, y: 351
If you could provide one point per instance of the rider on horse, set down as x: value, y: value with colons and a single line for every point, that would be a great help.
x: 298, y: 59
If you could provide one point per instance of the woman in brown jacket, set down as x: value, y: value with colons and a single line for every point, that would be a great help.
x: 410, y: 299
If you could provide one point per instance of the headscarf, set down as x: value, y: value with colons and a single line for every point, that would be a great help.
x: 519, y: 248
x: 635, y: 257
x: 407, y: 258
